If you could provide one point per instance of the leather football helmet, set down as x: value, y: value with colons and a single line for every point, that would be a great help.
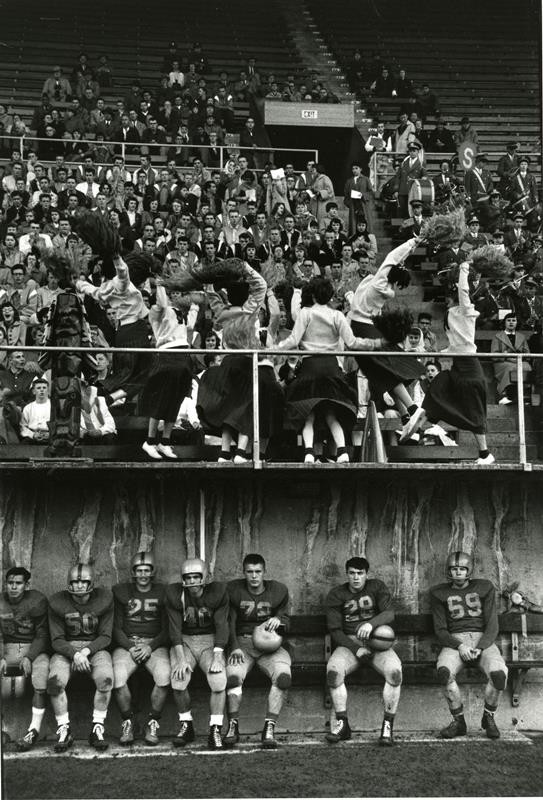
x: 459, y: 559
x: 81, y: 572
x: 193, y: 566
x: 143, y: 559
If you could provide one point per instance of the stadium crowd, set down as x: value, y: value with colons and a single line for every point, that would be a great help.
x: 216, y: 241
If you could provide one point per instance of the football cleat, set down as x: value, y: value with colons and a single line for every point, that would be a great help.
x: 64, y: 739
x: 185, y: 735
x: 232, y: 734
x: 28, y: 741
x: 214, y: 740
x: 455, y: 728
x: 486, y: 461
x: 127, y: 732
x: 268, y: 740
x: 340, y: 732
x: 488, y: 724
x: 96, y: 737
x: 151, y: 732
x: 386, y: 739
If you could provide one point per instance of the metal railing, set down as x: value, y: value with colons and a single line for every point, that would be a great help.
x: 256, y: 356
x: 125, y: 149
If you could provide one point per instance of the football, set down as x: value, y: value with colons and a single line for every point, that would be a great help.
x: 266, y: 641
x: 382, y: 638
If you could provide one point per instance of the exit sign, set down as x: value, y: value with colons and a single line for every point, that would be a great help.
x: 308, y: 113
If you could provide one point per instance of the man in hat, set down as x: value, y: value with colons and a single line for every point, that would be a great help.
x: 445, y: 184
x: 522, y: 192
x: 466, y: 133
x: 478, y: 182
x: 492, y: 214
x: 411, y: 226
x: 473, y: 239
x: 359, y: 198
x: 517, y: 240
x: 409, y: 170
x: 497, y: 240
x: 507, y: 165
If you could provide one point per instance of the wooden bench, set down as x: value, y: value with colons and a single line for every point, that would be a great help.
x: 310, y: 645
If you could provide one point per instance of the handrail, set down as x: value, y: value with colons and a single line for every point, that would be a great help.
x: 518, y: 358
x: 224, y: 148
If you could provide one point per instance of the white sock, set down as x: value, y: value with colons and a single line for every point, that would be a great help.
x: 216, y: 719
x: 37, y: 718
x: 63, y: 719
x: 185, y: 716
x: 98, y: 716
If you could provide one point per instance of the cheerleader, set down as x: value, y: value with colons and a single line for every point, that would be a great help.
x: 170, y: 380
x: 320, y: 394
x: 384, y: 373
x: 458, y: 395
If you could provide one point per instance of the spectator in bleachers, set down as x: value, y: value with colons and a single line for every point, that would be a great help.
x: 473, y: 238
x: 517, y: 239
x: 505, y: 370
x: 104, y: 73
x: 34, y: 424
x: 17, y: 377
x: 403, y: 85
x: 409, y: 170
x: 428, y: 102
x: 57, y: 87
x: 359, y: 199
x: 363, y: 242
x: 466, y: 133
x: 403, y: 134
x: 384, y: 85
x: 492, y: 215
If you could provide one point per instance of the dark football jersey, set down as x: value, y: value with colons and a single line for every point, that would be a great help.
x: 472, y: 608
x: 346, y: 610
x: 253, y: 609
x: 90, y: 622
x: 140, y: 614
x: 195, y: 616
x: 25, y: 621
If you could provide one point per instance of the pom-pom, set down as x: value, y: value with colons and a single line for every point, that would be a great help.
x: 102, y: 238
x: 63, y: 270
x: 491, y: 263
x: 393, y: 324
x: 444, y: 230
x: 180, y: 280
x: 140, y: 266
x: 221, y: 272
x: 239, y: 332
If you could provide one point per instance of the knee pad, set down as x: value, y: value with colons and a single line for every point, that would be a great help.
x: 54, y: 686
x: 498, y: 679
x: 233, y: 682
x: 443, y: 676
x: 333, y: 679
x: 283, y: 680
x: 394, y: 678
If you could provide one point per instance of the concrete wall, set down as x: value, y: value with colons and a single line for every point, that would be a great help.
x: 405, y: 522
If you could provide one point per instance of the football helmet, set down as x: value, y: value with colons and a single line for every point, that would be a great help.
x: 459, y: 559
x: 143, y: 559
x: 81, y: 572
x: 194, y: 566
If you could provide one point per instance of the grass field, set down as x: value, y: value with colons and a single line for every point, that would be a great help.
x: 472, y: 767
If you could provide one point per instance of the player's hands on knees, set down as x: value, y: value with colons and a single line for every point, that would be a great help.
x: 26, y: 665
x: 364, y: 631
x: 143, y: 653
x: 465, y: 652
x: 181, y: 670
x: 236, y: 656
x: 81, y: 663
x: 217, y: 663
x: 272, y: 624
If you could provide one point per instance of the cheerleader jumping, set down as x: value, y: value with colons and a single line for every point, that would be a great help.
x: 170, y: 379
x: 458, y: 396
x: 384, y: 373
x: 320, y: 394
